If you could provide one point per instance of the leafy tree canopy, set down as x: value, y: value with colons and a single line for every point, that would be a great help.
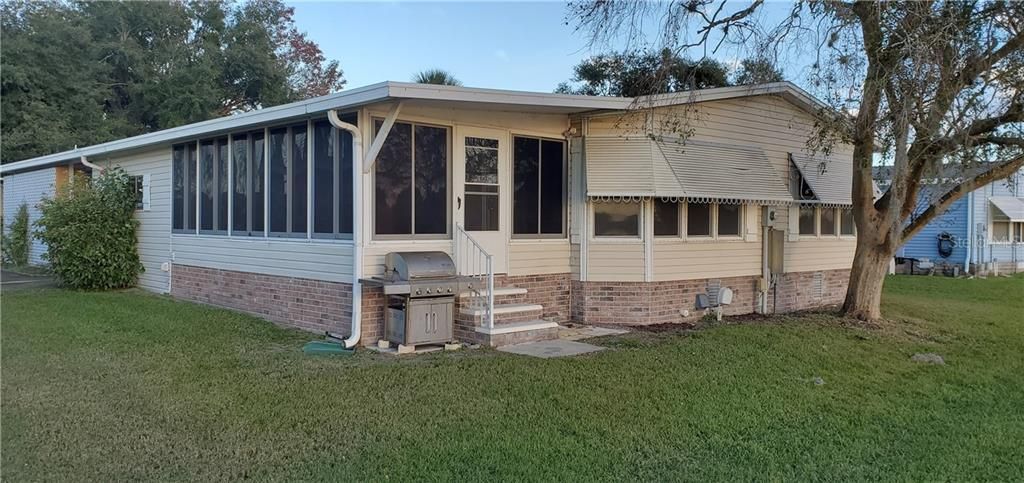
x: 80, y: 73
x: 757, y: 70
x: 639, y: 73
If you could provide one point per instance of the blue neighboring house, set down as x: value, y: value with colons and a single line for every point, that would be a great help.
x: 981, y: 233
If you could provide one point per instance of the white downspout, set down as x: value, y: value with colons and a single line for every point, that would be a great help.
x: 970, y: 232
x: 90, y: 165
x: 357, y: 223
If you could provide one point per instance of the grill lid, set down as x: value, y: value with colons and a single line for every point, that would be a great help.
x: 417, y: 265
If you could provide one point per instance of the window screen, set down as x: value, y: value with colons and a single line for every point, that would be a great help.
x: 278, y: 177
x: 220, y: 219
x: 178, y: 188
x: 846, y: 221
x: 828, y: 221
x: 258, y: 187
x: 807, y: 220
x: 617, y: 219
x: 240, y: 184
x: 698, y: 219
x: 207, y: 185
x: 666, y: 218
x: 730, y: 219
x: 411, y: 181
x: 332, y: 179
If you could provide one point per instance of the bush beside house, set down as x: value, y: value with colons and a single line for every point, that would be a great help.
x: 16, y: 241
x: 89, y: 229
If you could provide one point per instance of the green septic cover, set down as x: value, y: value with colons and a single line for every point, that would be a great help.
x: 323, y: 347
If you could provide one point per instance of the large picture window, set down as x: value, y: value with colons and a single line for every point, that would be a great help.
x: 617, y: 219
x: 482, y: 189
x: 539, y: 179
x: 411, y: 181
x: 213, y: 182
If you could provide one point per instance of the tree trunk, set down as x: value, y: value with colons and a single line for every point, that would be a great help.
x: 864, y: 294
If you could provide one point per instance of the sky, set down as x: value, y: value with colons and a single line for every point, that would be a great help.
x: 506, y: 45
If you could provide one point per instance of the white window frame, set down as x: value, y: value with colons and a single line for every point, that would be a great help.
x: 739, y: 233
x: 565, y: 190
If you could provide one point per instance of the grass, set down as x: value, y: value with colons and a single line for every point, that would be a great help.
x: 126, y: 386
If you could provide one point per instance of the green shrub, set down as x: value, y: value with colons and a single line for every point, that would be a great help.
x: 89, y: 230
x: 16, y: 240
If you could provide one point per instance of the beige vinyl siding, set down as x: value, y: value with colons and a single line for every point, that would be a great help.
x: 316, y: 260
x: 540, y: 257
x: 155, y: 222
x: 679, y: 260
x: 29, y: 188
x: 615, y: 261
x: 825, y: 253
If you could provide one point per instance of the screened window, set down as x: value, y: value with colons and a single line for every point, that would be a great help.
x: 730, y: 219
x: 539, y: 177
x: 666, y: 218
x: 482, y: 190
x: 846, y: 221
x: 698, y: 219
x: 183, y: 178
x: 411, y: 181
x: 616, y: 219
x: 332, y: 180
x: 247, y: 184
x: 213, y: 182
x: 1001, y: 231
x: 807, y: 220
x: 828, y: 221
x: 138, y: 189
x: 288, y: 175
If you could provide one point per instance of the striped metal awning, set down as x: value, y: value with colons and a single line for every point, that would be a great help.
x: 1011, y: 206
x: 698, y: 171
x: 831, y: 180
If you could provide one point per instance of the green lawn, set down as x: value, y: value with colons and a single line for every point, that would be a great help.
x: 119, y: 386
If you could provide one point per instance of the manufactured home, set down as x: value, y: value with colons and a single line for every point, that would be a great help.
x: 546, y: 208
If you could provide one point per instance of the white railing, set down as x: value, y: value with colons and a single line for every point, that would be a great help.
x: 476, y: 267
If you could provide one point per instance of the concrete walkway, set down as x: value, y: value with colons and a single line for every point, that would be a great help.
x: 551, y: 348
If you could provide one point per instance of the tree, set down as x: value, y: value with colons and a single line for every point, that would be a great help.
x: 87, y: 72
x: 439, y: 77
x: 934, y: 85
x: 757, y: 70
x: 632, y: 74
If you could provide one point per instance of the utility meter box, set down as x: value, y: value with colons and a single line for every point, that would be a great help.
x: 776, y: 251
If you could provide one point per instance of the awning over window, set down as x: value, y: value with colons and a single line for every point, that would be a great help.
x: 697, y: 170
x: 831, y: 180
x: 1012, y: 207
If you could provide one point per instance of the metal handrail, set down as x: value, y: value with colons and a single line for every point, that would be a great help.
x: 472, y: 260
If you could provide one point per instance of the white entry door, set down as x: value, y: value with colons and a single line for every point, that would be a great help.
x: 481, y: 174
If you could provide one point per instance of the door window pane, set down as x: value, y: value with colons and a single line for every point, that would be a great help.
x: 278, y: 177
x: 666, y: 218
x: 617, y: 219
x: 299, y: 169
x: 729, y: 220
x: 240, y: 184
x: 393, y: 182
x: 698, y: 219
x: 256, y: 200
x: 846, y: 221
x: 482, y: 189
x: 431, y: 183
x: 178, y: 188
x: 206, y: 184
x: 828, y: 221
x: 526, y: 186
x: 552, y: 183
x: 807, y: 220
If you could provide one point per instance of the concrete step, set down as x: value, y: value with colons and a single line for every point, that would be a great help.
x: 518, y: 327
x: 503, y: 309
x: 498, y: 292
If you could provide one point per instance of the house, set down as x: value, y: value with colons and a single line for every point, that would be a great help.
x: 586, y: 216
x: 983, y: 232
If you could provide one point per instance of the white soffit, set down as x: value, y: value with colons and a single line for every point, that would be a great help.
x: 830, y: 179
x: 1011, y: 206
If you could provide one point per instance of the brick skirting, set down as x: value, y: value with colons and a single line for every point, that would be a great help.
x: 312, y: 305
x: 642, y: 303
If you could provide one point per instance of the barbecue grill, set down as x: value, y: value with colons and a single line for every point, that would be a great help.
x: 420, y: 289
